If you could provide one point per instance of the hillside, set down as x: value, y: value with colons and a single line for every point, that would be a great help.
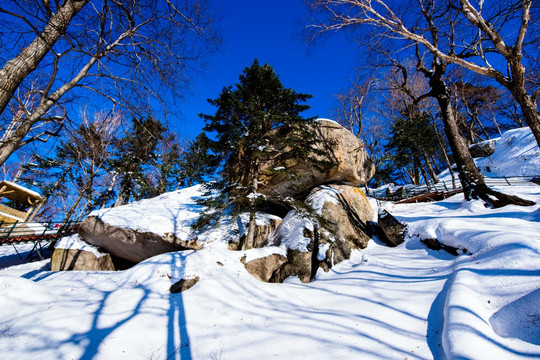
x: 407, y: 302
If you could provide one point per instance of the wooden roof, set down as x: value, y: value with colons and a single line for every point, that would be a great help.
x: 18, y: 193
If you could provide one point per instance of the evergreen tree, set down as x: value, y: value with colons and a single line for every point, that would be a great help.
x: 197, y: 162
x: 412, y: 140
x: 257, y: 121
x: 137, y: 150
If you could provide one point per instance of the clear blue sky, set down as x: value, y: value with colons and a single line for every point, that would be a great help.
x: 270, y: 31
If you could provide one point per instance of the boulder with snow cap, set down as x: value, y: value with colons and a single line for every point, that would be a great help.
x: 352, y: 165
x: 346, y: 213
x: 129, y: 244
x: 483, y: 148
x: 296, y: 236
x: 74, y: 254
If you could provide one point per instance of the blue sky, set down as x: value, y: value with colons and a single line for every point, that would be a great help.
x: 270, y: 32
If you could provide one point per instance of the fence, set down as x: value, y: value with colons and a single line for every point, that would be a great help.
x: 19, y: 232
x: 411, y: 191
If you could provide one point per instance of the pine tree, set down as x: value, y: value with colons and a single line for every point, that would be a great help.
x: 412, y: 139
x: 257, y: 121
x: 137, y: 150
x: 197, y: 162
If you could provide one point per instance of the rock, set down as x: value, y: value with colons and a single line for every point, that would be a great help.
x: 392, y: 230
x: 77, y: 259
x: 129, y: 244
x: 483, y: 148
x: 346, y: 213
x: 265, y: 225
x: 296, y: 234
x: 266, y: 268
x: 436, y: 245
x: 352, y: 164
x: 183, y: 285
x: 398, y: 192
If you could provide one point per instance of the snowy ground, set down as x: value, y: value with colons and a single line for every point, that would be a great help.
x: 407, y: 302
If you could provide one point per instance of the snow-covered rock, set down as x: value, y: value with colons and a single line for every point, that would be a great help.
x: 265, y: 225
x: 483, y: 148
x: 128, y: 244
x: 72, y: 253
x: 344, y: 213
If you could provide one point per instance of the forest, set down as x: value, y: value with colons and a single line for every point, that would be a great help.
x: 85, y: 88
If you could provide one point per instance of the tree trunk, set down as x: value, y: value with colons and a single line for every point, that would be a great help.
x: 109, y: 190
x: 431, y: 171
x: 119, y: 200
x: 16, y: 70
x: 252, y: 206
x: 472, y: 182
x: 529, y: 109
x: 445, y: 155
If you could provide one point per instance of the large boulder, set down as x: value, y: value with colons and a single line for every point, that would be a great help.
x: 129, y: 244
x: 296, y: 177
x: 344, y: 213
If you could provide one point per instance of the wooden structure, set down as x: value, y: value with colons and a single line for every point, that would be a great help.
x: 430, y: 197
x: 27, y: 198
x: 36, y: 233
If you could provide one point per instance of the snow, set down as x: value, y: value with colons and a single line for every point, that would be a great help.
x: 170, y: 213
x: 291, y: 232
x: 23, y: 189
x: 319, y: 198
x: 75, y: 242
x: 511, y: 160
x: 407, y: 302
x: 516, y: 154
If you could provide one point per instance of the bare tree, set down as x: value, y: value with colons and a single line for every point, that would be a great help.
x: 353, y: 103
x: 499, y: 28
x: 427, y: 33
x: 128, y: 52
x: 90, y: 148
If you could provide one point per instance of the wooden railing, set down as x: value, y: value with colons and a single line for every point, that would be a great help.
x: 407, y: 192
x: 24, y: 232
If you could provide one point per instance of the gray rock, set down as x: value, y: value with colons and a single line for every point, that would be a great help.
x: 393, y: 231
x: 482, y: 149
x: 183, y: 285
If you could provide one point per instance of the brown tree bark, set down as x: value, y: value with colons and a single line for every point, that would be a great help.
x: 471, y: 180
x: 16, y: 70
